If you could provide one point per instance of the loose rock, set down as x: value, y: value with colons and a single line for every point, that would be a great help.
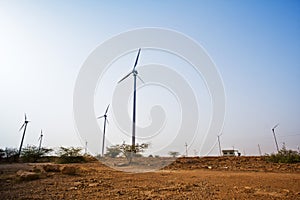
x: 27, y: 176
x: 70, y: 170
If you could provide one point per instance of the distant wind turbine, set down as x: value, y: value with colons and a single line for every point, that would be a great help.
x: 220, y: 150
x: 259, y: 150
x: 24, y: 131
x: 273, y: 130
x: 105, y: 119
x: 40, y: 139
x: 186, y: 149
x: 85, y: 148
x: 135, y: 74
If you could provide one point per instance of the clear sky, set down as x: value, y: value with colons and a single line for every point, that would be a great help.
x: 254, y: 44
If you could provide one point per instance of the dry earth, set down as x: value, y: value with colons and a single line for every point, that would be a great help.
x: 187, y: 178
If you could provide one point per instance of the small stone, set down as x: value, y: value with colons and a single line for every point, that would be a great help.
x: 286, y: 190
x: 27, y: 176
x: 51, y: 168
x: 93, y: 184
x: 70, y: 170
x: 121, y: 164
x: 38, y: 169
x: 77, y: 183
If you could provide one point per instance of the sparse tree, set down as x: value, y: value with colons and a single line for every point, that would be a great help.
x: 129, y: 151
x: 173, y: 153
x: 2, y: 153
x: 32, y: 153
x: 10, y: 152
x: 70, y: 155
x: 285, y: 155
x: 112, y: 151
x: 69, y: 151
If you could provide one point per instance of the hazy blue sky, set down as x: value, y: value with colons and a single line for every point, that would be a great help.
x: 255, y: 45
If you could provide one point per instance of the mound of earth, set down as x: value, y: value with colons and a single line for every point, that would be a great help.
x: 186, y: 178
x: 243, y: 163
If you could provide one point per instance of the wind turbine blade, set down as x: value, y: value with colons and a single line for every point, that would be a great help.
x: 276, y: 126
x: 25, y: 116
x: 107, y: 121
x: 100, y: 117
x: 124, y: 77
x: 107, y: 109
x: 22, y: 127
x: 141, y: 79
x: 137, y: 58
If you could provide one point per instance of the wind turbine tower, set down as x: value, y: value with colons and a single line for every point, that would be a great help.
x: 105, y: 120
x: 24, y: 131
x: 85, y: 148
x: 273, y: 130
x: 220, y: 150
x: 259, y: 150
x: 40, y: 139
x: 134, y: 72
x: 186, y: 150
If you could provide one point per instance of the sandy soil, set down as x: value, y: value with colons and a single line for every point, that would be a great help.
x: 187, y: 178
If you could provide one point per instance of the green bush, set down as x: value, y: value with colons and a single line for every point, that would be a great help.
x: 129, y: 151
x: 33, y: 153
x: 10, y: 155
x: 112, y: 151
x: 69, y: 151
x: 10, y: 152
x: 173, y: 153
x: 70, y: 155
x: 2, y: 154
x: 284, y: 156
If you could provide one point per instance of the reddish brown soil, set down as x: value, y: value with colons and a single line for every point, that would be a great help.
x: 187, y: 178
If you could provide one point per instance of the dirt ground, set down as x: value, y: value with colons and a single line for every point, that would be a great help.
x: 187, y: 178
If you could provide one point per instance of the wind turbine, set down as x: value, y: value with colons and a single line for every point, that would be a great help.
x: 273, y: 130
x: 105, y: 119
x: 220, y: 150
x: 40, y: 139
x: 85, y: 148
x: 259, y: 150
x: 135, y: 74
x: 186, y: 149
x: 24, y: 131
